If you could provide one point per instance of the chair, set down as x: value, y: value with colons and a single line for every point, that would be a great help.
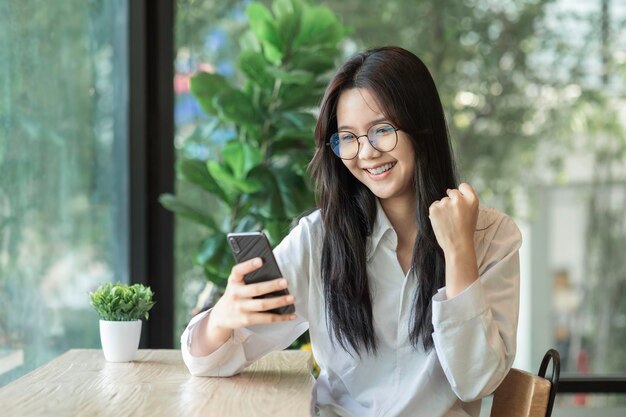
x: 523, y: 394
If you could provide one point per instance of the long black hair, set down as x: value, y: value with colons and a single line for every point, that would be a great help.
x: 406, y: 93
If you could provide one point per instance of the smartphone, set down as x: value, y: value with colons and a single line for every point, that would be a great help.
x: 246, y: 246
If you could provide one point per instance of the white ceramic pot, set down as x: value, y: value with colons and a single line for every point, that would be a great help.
x: 120, y: 339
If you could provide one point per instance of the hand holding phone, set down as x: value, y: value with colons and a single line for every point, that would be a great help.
x: 247, y: 246
x: 243, y: 305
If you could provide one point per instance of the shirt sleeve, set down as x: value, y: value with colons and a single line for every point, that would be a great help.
x: 475, y: 332
x: 246, y: 345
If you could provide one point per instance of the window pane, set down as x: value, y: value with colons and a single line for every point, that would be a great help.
x: 579, y: 276
x: 63, y: 182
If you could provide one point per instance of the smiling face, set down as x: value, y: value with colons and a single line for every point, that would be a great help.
x: 388, y: 175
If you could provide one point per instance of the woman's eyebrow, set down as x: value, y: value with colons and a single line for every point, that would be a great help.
x: 372, y: 123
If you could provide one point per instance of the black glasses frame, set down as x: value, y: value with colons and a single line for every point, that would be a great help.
x: 358, y: 142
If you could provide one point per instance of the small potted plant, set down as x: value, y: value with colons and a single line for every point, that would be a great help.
x: 121, y: 308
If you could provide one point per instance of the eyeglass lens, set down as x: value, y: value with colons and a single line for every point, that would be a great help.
x: 382, y: 137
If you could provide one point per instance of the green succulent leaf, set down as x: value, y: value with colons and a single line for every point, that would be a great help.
x: 122, y: 302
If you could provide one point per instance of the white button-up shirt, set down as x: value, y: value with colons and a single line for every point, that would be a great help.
x: 474, y: 332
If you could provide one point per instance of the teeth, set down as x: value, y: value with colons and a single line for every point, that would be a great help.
x: 381, y: 169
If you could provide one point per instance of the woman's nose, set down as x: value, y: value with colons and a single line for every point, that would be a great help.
x: 366, y: 150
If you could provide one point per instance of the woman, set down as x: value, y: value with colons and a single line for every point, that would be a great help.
x: 409, y: 289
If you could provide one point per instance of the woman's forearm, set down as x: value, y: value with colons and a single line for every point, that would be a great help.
x: 207, y: 337
x: 461, y: 269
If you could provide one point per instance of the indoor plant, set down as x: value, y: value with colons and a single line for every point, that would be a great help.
x: 121, y: 308
x: 248, y: 161
x: 258, y: 175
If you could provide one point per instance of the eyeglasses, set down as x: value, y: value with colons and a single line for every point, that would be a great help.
x: 382, y: 136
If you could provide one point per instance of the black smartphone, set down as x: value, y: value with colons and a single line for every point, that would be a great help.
x: 246, y: 246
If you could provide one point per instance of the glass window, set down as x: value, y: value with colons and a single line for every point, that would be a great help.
x: 63, y: 181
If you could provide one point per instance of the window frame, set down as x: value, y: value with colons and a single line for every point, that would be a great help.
x: 151, y: 161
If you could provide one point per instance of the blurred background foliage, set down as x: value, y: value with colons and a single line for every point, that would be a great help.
x: 525, y: 85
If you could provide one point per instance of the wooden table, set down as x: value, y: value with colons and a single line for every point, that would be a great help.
x: 82, y: 383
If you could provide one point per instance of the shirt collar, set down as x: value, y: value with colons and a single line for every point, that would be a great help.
x: 381, y: 226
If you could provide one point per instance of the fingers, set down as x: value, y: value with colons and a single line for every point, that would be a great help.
x: 261, y: 288
x: 239, y: 309
x: 241, y: 269
x: 265, y: 304
x: 464, y: 191
x: 266, y: 318
x: 468, y: 191
x: 453, y: 194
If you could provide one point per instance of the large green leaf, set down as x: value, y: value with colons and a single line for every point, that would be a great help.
x: 295, y: 191
x: 269, y: 201
x: 254, y: 65
x: 211, y: 248
x: 222, y: 175
x: 247, y: 223
x: 298, y: 119
x: 195, y: 171
x: 288, y: 29
x: 276, y: 230
x: 320, y: 26
x: 214, y: 255
x: 237, y: 107
x: 298, y: 142
x: 300, y: 77
x: 241, y: 158
x: 318, y: 59
x: 174, y: 204
x: 293, y: 134
x: 205, y: 87
x: 293, y: 96
x: 249, y: 42
x: 287, y: 8
x: 264, y: 27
